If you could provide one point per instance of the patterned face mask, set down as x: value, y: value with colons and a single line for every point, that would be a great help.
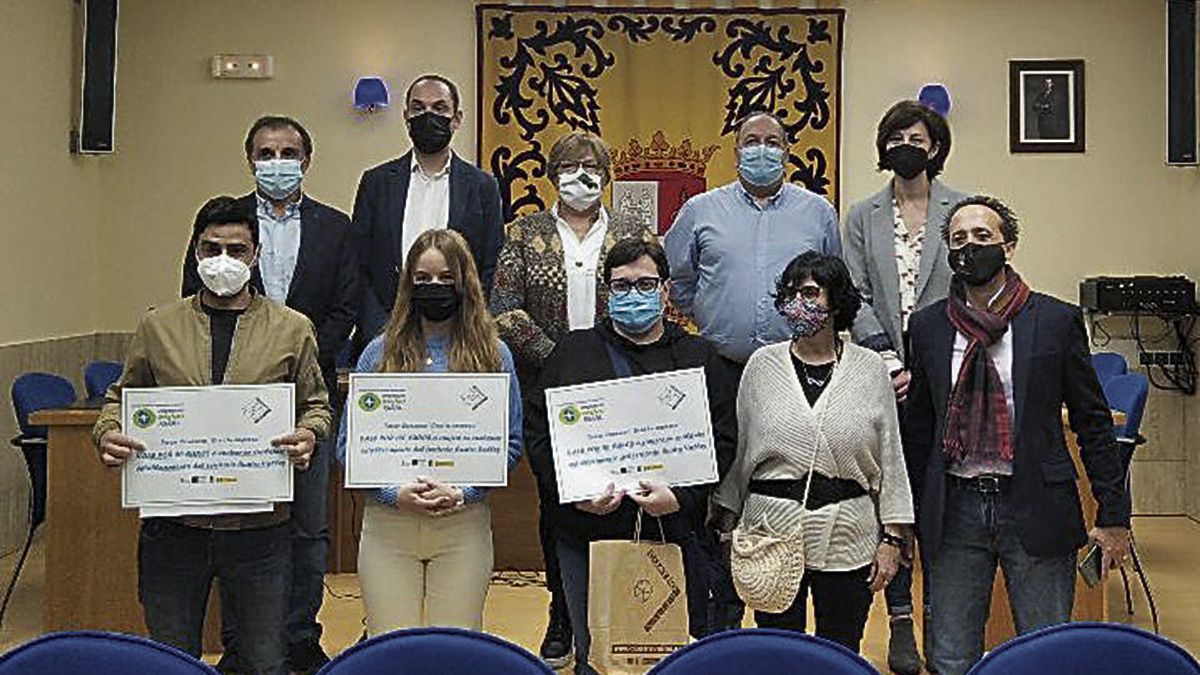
x: 805, y: 318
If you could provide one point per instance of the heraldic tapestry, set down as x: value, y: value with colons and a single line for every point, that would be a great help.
x: 663, y: 87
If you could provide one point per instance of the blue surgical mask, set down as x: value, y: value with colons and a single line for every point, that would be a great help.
x: 634, y: 312
x: 760, y: 165
x: 278, y: 178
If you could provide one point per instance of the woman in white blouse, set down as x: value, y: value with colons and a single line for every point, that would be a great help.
x: 822, y: 404
x: 549, y: 282
x: 897, y: 259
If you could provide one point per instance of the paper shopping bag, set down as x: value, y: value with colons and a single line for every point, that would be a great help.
x: 637, y: 605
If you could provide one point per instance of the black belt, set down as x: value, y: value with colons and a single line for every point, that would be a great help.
x: 824, y: 491
x: 988, y: 484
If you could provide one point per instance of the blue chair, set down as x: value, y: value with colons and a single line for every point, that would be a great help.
x: 1088, y: 649
x: 1127, y: 393
x: 446, y: 651
x: 99, y: 375
x: 1109, y: 364
x: 763, y: 651
x: 32, y: 392
x: 98, y: 653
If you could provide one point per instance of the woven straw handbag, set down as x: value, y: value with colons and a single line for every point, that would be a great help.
x: 767, y: 566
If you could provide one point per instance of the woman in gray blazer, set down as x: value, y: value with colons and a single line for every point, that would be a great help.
x: 896, y: 256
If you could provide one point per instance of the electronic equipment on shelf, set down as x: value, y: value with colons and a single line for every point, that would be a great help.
x: 1155, y: 294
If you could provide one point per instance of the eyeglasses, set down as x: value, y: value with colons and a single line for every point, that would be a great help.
x: 644, y: 285
x: 572, y: 167
x: 806, y: 292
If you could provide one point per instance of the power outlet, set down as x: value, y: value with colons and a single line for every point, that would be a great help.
x: 243, y: 66
x: 1160, y: 358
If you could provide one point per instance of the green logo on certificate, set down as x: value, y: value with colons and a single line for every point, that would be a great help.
x: 144, y: 418
x: 569, y: 415
x: 369, y: 402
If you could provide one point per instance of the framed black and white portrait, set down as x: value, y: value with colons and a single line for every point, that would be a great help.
x: 1045, y: 106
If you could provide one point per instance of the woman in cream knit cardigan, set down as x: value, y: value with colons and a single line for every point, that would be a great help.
x: 824, y: 403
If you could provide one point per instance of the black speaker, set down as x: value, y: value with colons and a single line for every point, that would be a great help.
x: 97, y: 113
x: 1181, y: 82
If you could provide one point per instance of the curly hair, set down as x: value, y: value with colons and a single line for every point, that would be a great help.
x: 1010, y: 227
x: 830, y: 273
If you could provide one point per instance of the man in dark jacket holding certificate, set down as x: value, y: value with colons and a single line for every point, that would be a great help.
x: 635, y: 340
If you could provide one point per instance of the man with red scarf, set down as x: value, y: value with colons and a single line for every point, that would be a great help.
x: 992, y: 367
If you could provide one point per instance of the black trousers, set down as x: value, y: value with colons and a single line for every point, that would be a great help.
x: 554, y: 582
x: 841, y: 601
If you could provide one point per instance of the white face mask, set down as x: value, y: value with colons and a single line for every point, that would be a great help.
x: 223, y: 275
x: 579, y: 189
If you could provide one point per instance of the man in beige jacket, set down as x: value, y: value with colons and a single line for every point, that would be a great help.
x: 225, y: 334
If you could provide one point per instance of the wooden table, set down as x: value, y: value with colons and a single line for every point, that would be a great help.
x: 514, y: 522
x: 91, y: 548
x: 1091, y: 604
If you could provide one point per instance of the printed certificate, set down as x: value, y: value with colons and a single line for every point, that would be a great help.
x: 651, y: 427
x: 450, y: 427
x: 207, y: 445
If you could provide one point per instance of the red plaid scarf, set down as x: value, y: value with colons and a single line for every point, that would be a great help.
x: 978, y: 421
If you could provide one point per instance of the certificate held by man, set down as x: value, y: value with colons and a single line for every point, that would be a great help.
x: 207, y: 445
x: 652, y: 427
x: 448, y: 427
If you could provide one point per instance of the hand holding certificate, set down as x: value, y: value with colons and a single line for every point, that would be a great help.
x: 448, y: 427
x: 623, y: 432
x: 208, y: 450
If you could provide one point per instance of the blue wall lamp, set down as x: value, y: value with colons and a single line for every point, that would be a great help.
x: 935, y: 97
x: 370, y: 94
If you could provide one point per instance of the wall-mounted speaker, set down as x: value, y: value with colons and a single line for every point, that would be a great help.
x: 1181, y: 82
x: 97, y: 114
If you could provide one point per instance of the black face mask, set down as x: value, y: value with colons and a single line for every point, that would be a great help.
x: 435, y: 302
x: 977, y: 264
x: 429, y: 131
x: 908, y: 161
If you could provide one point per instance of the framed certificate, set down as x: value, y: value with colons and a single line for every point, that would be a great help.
x: 651, y: 427
x: 207, y: 445
x: 450, y: 427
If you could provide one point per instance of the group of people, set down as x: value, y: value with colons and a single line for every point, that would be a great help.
x: 916, y: 435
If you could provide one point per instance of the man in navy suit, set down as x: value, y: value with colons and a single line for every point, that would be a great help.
x: 992, y: 367
x: 427, y: 188
x: 306, y: 262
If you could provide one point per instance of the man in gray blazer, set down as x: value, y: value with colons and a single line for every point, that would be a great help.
x: 899, y: 266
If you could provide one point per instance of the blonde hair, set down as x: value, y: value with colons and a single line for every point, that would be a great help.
x: 474, y: 340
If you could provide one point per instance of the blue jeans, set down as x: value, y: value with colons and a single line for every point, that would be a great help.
x: 573, y: 563
x: 979, y: 531
x: 176, y: 566
x: 898, y: 592
x: 310, y: 553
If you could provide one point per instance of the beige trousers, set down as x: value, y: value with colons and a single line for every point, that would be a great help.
x: 418, y: 570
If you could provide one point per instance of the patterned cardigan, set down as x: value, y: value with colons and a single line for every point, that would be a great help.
x: 529, y: 298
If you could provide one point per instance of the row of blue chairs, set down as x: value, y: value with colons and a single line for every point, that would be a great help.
x: 1069, y: 649
x: 32, y: 392
x: 1126, y: 392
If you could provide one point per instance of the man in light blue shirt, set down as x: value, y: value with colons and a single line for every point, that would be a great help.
x: 728, y: 245
x: 307, y: 262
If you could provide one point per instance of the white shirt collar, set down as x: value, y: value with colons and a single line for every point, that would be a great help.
x: 441, y: 173
x: 600, y: 224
